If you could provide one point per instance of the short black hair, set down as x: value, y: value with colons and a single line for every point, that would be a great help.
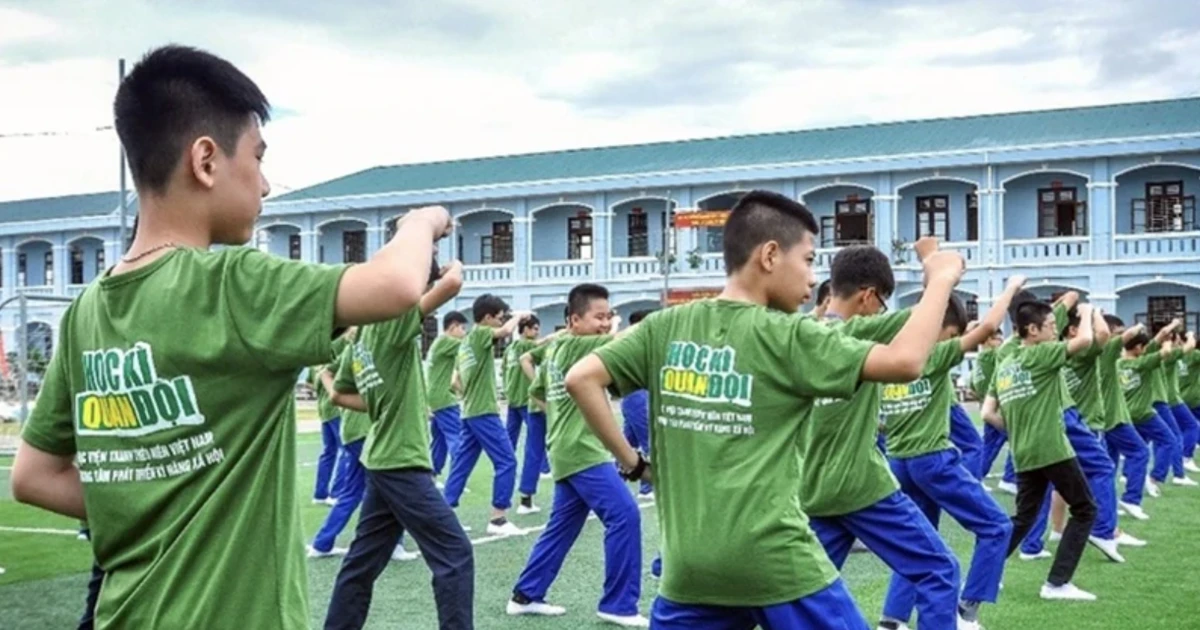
x: 823, y: 291
x: 488, y: 304
x: 1022, y: 297
x: 956, y: 314
x: 452, y: 318
x: 638, y: 316
x: 581, y: 297
x: 1032, y: 314
x: 760, y: 216
x: 1140, y: 339
x: 174, y: 95
x: 528, y: 322
x: 1073, y: 320
x: 859, y: 267
x: 1113, y: 321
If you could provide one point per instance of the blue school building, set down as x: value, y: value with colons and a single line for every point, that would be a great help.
x: 1101, y: 200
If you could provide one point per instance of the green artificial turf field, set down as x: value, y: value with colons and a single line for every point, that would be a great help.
x: 46, y: 569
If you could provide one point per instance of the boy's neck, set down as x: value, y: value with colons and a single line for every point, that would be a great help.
x: 1029, y: 342
x: 741, y: 288
x: 839, y: 309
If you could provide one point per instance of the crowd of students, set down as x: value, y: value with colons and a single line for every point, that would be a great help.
x: 770, y: 440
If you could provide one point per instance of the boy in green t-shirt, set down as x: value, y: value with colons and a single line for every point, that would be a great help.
x: 482, y: 429
x: 443, y: 393
x: 1186, y: 423
x: 585, y: 480
x: 1139, y: 371
x: 387, y: 381
x: 1120, y: 436
x: 732, y: 382
x: 1189, y: 392
x: 1027, y: 400
x: 917, y: 421
x: 846, y: 486
x: 168, y: 442
x: 521, y: 411
x: 331, y: 429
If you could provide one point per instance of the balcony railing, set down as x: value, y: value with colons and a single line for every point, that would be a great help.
x: 75, y: 290
x: 40, y: 289
x: 968, y: 249
x: 487, y: 274
x: 1072, y: 248
x: 635, y: 267
x: 554, y: 270
x: 1157, y: 245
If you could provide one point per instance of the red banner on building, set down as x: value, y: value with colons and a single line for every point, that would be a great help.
x: 702, y: 218
x: 682, y: 296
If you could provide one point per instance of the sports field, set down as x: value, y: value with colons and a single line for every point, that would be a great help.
x: 46, y: 570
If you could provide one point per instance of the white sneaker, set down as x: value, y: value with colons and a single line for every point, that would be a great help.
x: 1120, y: 510
x: 1041, y: 555
x: 963, y: 624
x: 1190, y: 466
x: 545, y: 476
x: 1135, y: 511
x: 645, y: 496
x: 535, y: 608
x: 532, y: 509
x: 439, y: 484
x: 1067, y: 591
x: 1183, y: 481
x: 1152, y: 488
x: 1129, y: 541
x: 629, y: 621
x: 400, y: 554
x: 1055, y: 536
x: 1108, y: 548
x: 313, y: 553
x: 1007, y: 487
x: 331, y: 501
x: 505, y: 529
x: 986, y: 488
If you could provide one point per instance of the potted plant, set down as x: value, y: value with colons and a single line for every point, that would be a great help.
x: 694, y: 260
x: 900, y: 251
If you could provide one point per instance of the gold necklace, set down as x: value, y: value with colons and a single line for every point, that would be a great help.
x: 148, y: 252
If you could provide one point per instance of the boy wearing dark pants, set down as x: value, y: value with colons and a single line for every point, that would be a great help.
x: 932, y: 472
x: 442, y: 396
x: 635, y: 409
x: 1120, y: 436
x: 1189, y: 428
x: 388, y: 382
x: 846, y: 485
x: 331, y: 441
x: 584, y: 481
x: 1026, y: 398
x: 482, y: 429
x: 731, y: 386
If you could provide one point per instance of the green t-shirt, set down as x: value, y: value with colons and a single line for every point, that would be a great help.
x: 572, y: 445
x: 1189, y: 378
x: 1170, y: 368
x: 841, y: 467
x: 1135, y: 376
x: 981, y: 373
x: 173, y: 386
x: 1157, y: 378
x: 730, y: 387
x: 440, y: 366
x: 1013, y: 344
x: 387, y: 374
x: 355, y: 424
x: 916, y: 415
x: 1115, y: 410
x: 1026, y: 384
x: 516, y: 384
x: 1082, y: 374
x: 326, y: 410
x: 477, y: 370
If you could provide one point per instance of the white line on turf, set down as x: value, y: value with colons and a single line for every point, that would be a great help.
x: 39, y: 530
x: 538, y: 528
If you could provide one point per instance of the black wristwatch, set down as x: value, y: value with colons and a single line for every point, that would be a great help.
x: 638, y: 470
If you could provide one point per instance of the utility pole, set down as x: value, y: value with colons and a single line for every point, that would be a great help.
x: 665, y: 259
x: 124, y: 203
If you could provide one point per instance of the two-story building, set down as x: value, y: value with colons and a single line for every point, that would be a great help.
x: 1097, y: 199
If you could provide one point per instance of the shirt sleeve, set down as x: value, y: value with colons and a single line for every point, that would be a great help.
x: 946, y: 355
x: 1047, y: 356
x: 877, y: 328
x: 1061, y: 314
x: 840, y: 357
x: 283, y: 310
x: 343, y: 380
x: 51, y: 424
x: 1112, y: 349
x: 1148, y: 361
x: 538, y: 354
x: 627, y: 359
x: 482, y: 340
x: 400, y: 330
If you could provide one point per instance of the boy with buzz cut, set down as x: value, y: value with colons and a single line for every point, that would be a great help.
x: 214, y: 409
x: 846, y: 486
x: 731, y: 386
x: 482, y: 429
x: 932, y: 472
x: 1120, y: 438
x: 1137, y: 368
x: 442, y: 393
x: 635, y: 409
x: 584, y: 480
x: 1026, y: 398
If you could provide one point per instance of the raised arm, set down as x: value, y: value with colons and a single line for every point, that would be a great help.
x: 995, y: 316
x: 449, y: 283
x: 1132, y: 332
x: 1068, y: 300
x: 1086, y: 335
x: 510, y: 326
x: 392, y: 281
x: 1191, y: 342
x: 1100, y: 328
x: 1166, y: 331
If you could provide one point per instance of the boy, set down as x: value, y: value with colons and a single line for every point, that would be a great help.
x: 1137, y: 368
x: 1119, y: 434
x: 846, y: 486
x: 993, y: 439
x: 516, y: 394
x: 1028, y: 391
x: 331, y: 441
x: 730, y: 388
x: 222, y: 444
x: 634, y: 411
x: 354, y: 428
x: 386, y: 379
x: 1189, y: 428
x: 1189, y: 389
x: 932, y: 472
x: 822, y: 301
x: 1160, y: 380
x: 442, y: 393
x: 482, y: 430
x: 584, y: 481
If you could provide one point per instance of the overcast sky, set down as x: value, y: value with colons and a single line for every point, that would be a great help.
x: 361, y: 83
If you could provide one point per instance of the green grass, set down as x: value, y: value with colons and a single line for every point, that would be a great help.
x: 46, y: 574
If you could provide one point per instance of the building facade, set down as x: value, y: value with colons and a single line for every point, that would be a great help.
x: 1100, y: 200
